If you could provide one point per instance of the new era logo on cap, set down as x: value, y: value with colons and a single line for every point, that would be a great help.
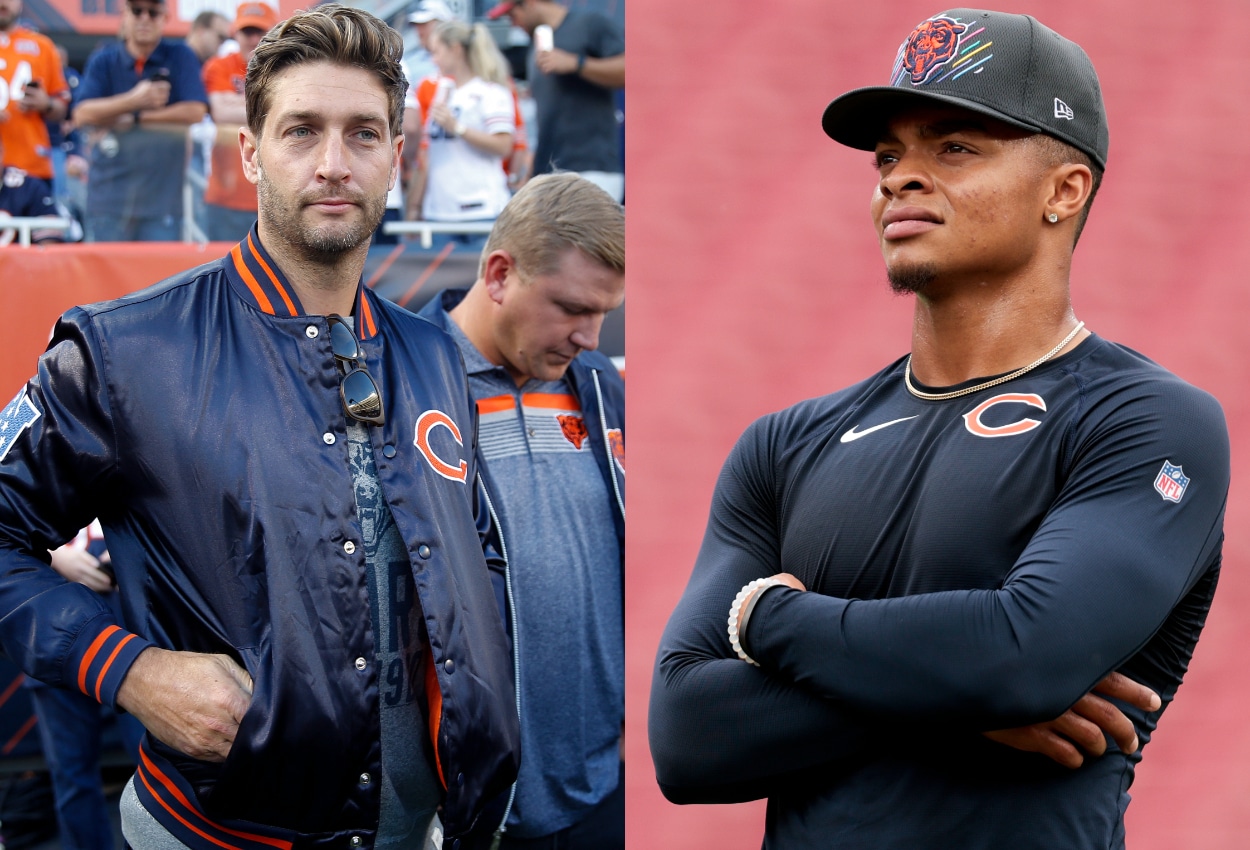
x: 1062, y: 110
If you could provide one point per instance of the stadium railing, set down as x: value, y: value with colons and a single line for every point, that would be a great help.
x: 25, y: 224
x: 427, y: 229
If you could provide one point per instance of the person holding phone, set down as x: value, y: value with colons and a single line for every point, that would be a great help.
x: 32, y: 92
x: 468, y: 129
x: 139, y: 95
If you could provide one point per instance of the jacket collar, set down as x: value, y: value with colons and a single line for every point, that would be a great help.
x: 256, y: 278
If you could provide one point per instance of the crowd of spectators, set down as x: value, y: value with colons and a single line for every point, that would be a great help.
x: 143, y: 145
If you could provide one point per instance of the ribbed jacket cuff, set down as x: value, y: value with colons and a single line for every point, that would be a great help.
x: 101, y: 658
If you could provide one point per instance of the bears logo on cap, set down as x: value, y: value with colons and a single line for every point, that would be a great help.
x: 930, y: 46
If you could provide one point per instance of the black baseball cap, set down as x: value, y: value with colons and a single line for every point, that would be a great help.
x: 1010, y: 67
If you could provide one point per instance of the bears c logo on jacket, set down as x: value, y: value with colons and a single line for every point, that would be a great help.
x: 426, y: 423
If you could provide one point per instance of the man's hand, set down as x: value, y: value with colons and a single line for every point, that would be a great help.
x: 556, y: 61
x: 189, y: 700
x: 149, y: 94
x: 76, y: 166
x: 34, y: 99
x: 1085, y: 725
x: 81, y: 566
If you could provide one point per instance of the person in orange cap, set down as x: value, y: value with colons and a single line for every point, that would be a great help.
x: 230, y: 200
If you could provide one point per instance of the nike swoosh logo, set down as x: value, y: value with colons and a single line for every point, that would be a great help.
x: 853, y: 435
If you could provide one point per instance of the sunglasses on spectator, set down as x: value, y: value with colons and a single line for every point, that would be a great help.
x: 152, y: 12
x: 360, y: 394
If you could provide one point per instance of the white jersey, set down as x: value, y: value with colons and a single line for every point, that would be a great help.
x: 465, y: 184
x: 395, y: 197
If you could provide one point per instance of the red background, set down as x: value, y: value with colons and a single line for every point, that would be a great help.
x: 755, y: 281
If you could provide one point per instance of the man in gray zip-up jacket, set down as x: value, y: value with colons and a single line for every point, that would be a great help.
x: 553, y: 457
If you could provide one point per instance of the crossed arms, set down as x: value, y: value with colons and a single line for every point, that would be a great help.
x: 1099, y: 583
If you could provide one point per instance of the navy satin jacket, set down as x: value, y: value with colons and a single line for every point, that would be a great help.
x: 200, y: 420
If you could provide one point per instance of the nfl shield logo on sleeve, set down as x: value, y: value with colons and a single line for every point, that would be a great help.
x: 19, y: 415
x: 1171, y: 482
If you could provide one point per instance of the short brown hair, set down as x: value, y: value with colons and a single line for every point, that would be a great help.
x: 328, y: 33
x: 553, y: 213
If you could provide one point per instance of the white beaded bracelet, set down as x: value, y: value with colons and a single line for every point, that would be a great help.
x: 758, y: 586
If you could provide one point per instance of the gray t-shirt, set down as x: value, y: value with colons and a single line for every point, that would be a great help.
x: 577, y: 128
x: 410, y: 787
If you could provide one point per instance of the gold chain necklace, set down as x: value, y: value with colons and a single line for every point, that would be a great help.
x: 985, y: 386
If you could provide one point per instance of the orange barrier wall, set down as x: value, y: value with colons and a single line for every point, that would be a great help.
x: 755, y: 281
x: 42, y: 282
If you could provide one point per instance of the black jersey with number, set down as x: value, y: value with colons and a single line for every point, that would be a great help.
x: 977, y: 563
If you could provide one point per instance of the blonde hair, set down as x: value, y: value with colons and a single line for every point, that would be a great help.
x: 553, y: 213
x: 480, y: 51
x: 328, y: 33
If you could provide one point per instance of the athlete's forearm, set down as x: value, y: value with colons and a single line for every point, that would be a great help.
x: 722, y: 730
x: 981, y: 658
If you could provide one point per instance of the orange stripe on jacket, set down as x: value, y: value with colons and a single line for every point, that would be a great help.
x: 262, y: 299
x: 434, y: 695
x: 178, y: 795
x: 144, y: 779
x: 273, y: 278
x: 367, y: 314
x: 91, y: 654
x: 109, y: 663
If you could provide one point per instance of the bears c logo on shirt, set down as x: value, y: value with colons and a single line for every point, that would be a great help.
x: 972, y: 419
x: 426, y: 423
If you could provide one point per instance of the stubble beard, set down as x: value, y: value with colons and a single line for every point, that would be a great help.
x: 323, y: 244
x: 911, y: 280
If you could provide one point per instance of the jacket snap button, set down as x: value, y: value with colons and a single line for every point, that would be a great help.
x: 311, y: 331
x: 449, y: 666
